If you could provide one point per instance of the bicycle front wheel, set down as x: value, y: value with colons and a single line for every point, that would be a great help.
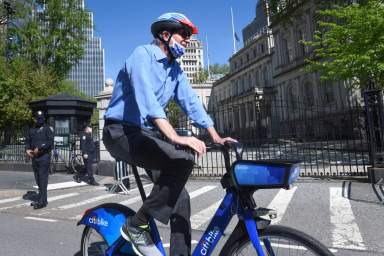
x: 77, y: 164
x: 278, y: 241
x: 92, y: 243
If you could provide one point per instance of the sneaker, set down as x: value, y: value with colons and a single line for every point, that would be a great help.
x: 93, y: 182
x: 140, y: 239
x: 39, y: 206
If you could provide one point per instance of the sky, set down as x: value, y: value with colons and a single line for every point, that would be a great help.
x: 123, y: 25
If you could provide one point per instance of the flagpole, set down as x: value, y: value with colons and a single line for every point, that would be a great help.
x: 209, y: 73
x: 233, y: 33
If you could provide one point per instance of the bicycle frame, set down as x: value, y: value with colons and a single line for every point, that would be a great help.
x: 107, y: 222
x: 227, y: 209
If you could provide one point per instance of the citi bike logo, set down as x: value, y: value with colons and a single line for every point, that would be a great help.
x: 208, y: 240
x: 98, y: 221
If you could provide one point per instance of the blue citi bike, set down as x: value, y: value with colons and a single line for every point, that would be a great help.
x: 253, y: 234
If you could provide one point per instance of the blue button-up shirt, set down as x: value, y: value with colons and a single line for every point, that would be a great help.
x: 145, y: 85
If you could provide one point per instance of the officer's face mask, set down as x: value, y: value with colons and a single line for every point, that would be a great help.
x: 40, y: 120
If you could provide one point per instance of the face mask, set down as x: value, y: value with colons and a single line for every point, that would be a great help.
x: 40, y: 120
x: 177, y: 50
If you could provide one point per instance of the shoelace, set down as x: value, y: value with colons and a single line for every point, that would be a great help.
x: 143, y: 234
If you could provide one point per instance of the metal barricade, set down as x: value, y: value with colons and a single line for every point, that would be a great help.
x: 122, y: 174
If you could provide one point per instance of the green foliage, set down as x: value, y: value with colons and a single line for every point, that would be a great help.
x: 201, y: 76
x: 173, y: 113
x: 53, y: 37
x: 349, y: 44
x: 35, y: 58
x: 219, y: 69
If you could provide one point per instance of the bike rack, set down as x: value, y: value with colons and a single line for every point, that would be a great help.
x: 121, y: 174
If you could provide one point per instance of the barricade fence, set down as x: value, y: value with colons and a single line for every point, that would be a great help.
x: 329, y: 140
x: 12, y: 145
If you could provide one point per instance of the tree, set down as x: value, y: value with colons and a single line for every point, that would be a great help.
x: 219, y: 69
x: 52, y: 37
x: 173, y: 113
x: 201, y: 76
x: 36, y: 54
x: 349, y: 44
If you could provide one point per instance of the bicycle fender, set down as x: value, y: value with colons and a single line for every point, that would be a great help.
x: 107, y: 220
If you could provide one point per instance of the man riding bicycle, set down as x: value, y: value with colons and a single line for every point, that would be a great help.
x: 137, y: 131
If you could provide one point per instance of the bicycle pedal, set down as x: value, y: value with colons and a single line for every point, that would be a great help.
x: 271, y: 213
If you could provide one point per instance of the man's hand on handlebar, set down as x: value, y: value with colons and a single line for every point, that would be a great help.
x: 222, y: 141
x: 197, y: 145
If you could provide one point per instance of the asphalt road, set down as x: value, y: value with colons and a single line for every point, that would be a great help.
x: 347, y: 216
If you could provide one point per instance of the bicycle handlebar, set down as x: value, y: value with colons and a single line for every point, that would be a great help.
x: 235, y: 146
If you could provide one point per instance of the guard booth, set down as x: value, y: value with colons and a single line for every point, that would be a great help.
x: 67, y: 115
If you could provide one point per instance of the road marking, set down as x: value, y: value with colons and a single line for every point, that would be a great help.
x: 131, y: 200
x: 346, y: 233
x: 126, y: 202
x: 203, y: 216
x: 69, y: 184
x: 88, y: 201
x: 201, y: 191
x: 280, y: 203
x: 40, y: 219
x: 166, y: 245
x: 138, y: 198
x: 8, y: 200
x: 51, y: 199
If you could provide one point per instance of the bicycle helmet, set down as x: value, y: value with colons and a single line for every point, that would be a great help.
x: 172, y: 22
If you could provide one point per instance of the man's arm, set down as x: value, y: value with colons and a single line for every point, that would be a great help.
x: 166, y: 128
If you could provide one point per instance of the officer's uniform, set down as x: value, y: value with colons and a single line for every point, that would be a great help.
x: 41, y: 137
x: 87, y: 146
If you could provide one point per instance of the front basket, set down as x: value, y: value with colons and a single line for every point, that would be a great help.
x: 265, y: 173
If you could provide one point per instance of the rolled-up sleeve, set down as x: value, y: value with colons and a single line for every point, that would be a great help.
x: 190, y: 103
x: 139, y: 65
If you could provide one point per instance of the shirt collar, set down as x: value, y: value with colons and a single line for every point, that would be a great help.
x: 159, y: 54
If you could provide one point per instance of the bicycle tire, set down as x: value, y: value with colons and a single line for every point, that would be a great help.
x: 285, y: 241
x: 77, y: 164
x: 90, y: 247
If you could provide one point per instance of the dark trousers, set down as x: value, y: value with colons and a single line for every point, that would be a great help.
x: 168, y: 199
x: 40, y: 168
x: 89, y: 163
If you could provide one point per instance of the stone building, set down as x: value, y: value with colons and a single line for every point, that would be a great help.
x: 270, y: 69
x: 250, y: 79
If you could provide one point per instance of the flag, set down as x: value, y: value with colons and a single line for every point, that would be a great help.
x: 237, y: 38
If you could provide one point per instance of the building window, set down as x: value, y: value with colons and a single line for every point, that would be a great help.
x: 285, y: 51
x: 300, y: 44
x: 309, y: 97
x: 328, y: 92
x: 292, y: 103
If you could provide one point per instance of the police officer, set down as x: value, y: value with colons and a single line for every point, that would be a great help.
x: 39, y: 143
x: 88, y: 150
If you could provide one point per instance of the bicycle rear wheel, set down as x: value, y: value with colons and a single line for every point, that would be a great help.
x: 283, y: 241
x: 92, y: 243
